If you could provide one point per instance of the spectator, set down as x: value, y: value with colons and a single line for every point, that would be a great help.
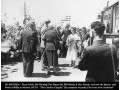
x: 65, y: 35
x: 100, y: 59
x: 28, y: 46
x: 72, y: 43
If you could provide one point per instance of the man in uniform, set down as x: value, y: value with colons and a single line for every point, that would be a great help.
x: 44, y: 28
x: 28, y: 45
x: 51, y: 42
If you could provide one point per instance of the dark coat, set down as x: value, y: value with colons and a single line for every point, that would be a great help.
x: 38, y: 41
x: 28, y: 44
x: 97, y: 60
x: 65, y: 34
x: 28, y: 41
x: 51, y: 40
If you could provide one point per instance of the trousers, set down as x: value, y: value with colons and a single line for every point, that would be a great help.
x: 52, y: 58
x: 28, y: 63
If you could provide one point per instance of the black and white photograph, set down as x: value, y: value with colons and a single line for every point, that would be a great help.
x: 59, y: 41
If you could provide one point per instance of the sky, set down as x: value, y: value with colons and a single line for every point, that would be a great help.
x: 82, y: 12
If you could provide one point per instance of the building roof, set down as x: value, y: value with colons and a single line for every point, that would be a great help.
x: 116, y: 3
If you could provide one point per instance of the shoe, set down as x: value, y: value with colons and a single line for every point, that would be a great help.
x: 75, y: 66
x: 43, y: 69
x: 28, y: 75
x: 55, y: 73
x: 58, y: 69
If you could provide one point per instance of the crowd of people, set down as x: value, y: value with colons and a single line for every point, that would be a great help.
x: 74, y: 44
x: 9, y: 37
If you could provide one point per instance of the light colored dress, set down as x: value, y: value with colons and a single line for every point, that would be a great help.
x: 73, y: 47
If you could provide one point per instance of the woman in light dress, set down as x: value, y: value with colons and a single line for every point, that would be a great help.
x: 73, y: 43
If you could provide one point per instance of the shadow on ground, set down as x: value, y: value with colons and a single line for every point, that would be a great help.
x: 5, y: 70
x: 11, y: 63
x: 62, y: 74
x: 4, y: 75
x: 43, y: 75
x: 63, y: 65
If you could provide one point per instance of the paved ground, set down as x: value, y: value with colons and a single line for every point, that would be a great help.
x: 14, y: 72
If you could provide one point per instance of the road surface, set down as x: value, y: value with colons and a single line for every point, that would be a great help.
x: 14, y: 72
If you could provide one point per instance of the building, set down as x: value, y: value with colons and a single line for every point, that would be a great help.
x: 110, y: 17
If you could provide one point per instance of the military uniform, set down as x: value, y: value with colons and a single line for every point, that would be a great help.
x: 42, y: 49
x: 51, y: 42
x: 28, y: 45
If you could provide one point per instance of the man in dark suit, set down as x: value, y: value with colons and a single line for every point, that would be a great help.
x: 100, y: 59
x: 51, y: 42
x: 28, y: 45
x: 38, y: 44
x: 65, y: 35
